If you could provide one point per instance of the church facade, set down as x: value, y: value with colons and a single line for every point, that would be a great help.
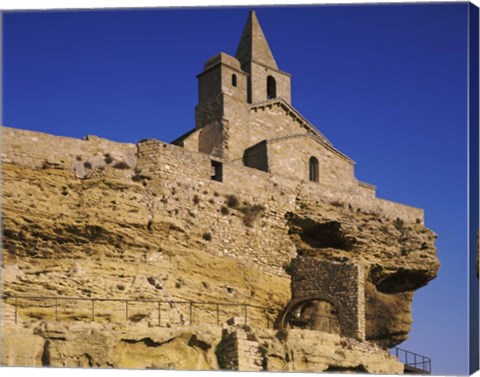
x: 245, y: 115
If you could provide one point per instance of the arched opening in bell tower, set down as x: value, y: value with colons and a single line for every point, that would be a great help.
x: 271, y: 88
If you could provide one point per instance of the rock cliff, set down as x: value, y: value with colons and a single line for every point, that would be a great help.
x: 103, y: 224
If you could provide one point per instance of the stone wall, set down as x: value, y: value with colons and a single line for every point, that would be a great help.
x: 340, y: 284
x: 272, y: 121
x: 257, y: 157
x: 175, y: 177
x: 236, y: 130
x: 239, y: 350
x: 186, y: 191
x: 37, y: 150
x: 208, y: 112
x: 169, y: 162
x: 290, y: 157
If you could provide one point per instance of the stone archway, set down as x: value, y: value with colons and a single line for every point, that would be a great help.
x: 341, y: 284
x: 319, y: 313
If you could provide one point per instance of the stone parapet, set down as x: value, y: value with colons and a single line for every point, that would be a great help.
x: 41, y: 150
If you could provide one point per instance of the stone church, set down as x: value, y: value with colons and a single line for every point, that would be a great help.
x: 244, y: 115
x: 254, y: 208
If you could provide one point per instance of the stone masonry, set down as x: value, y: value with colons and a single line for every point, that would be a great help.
x: 239, y: 348
x: 338, y: 283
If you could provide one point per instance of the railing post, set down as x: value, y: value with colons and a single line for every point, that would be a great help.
x: 126, y: 310
x: 16, y: 309
x: 159, y: 313
x: 93, y: 310
x: 415, y: 360
x: 56, y: 309
x: 191, y: 312
x: 218, y: 314
x: 245, y: 307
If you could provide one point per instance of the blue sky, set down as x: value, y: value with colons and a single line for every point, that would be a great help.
x: 386, y: 84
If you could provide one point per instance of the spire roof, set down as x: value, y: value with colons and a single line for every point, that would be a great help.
x: 253, y: 45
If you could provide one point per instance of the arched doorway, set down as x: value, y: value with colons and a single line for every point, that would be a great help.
x: 314, y: 314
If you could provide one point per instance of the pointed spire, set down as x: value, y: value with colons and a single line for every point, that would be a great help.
x: 253, y: 45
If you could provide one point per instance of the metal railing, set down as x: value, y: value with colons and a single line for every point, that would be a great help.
x: 166, y: 313
x: 414, y: 363
x: 163, y: 312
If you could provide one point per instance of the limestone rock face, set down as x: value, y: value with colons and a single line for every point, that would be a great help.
x: 398, y: 258
x: 95, y: 345
x: 130, y: 228
x: 309, y: 352
x: 21, y: 347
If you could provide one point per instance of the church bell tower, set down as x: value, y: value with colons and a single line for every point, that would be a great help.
x: 265, y: 80
x: 229, y: 86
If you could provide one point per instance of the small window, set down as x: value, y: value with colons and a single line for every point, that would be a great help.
x: 313, y: 169
x: 234, y: 80
x: 271, y: 88
x: 217, y: 171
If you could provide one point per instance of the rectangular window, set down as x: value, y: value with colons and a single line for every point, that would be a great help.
x: 217, y: 171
